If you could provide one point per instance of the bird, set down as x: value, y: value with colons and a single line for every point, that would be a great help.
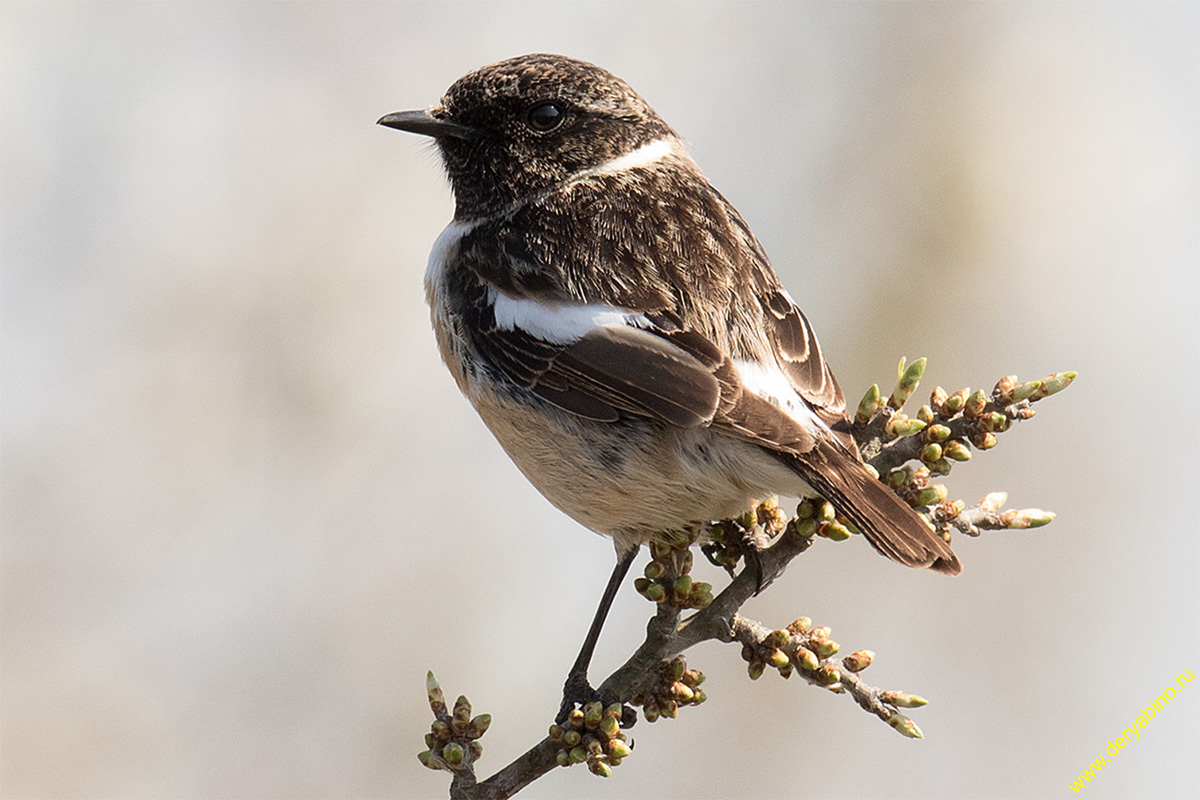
x: 620, y: 330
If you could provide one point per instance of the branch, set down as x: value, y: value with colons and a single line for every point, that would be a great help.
x: 764, y: 542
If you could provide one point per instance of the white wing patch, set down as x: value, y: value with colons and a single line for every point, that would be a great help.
x: 559, y: 323
x: 769, y: 383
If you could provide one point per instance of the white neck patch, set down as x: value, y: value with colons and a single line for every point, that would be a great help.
x: 644, y: 156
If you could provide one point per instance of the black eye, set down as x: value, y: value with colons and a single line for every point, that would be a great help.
x: 544, y: 117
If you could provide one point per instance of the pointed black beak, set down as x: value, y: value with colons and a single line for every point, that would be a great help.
x: 426, y: 124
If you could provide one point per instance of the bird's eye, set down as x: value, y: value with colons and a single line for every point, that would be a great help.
x: 545, y: 117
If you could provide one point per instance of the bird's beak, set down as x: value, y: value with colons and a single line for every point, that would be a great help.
x: 426, y: 124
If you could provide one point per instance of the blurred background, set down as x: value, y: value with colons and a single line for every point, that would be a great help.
x: 245, y: 509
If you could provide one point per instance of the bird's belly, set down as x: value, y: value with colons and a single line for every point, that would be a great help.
x: 635, y: 477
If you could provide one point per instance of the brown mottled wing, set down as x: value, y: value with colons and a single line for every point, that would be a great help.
x: 799, y: 356
x: 630, y: 369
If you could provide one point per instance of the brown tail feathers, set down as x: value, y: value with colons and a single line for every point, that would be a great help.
x: 889, y: 524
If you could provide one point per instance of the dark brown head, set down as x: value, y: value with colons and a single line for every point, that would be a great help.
x: 519, y: 127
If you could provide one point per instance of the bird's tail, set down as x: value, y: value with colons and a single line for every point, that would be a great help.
x: 890, y: 525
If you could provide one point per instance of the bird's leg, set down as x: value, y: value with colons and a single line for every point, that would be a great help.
x: 577, y: 689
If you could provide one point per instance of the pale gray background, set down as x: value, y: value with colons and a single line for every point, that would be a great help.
x: 244, y: 507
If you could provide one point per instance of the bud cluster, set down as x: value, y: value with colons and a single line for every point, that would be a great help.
x: 815, y: 517
x: 667, y: 577
x: 677, y: 686
x: 453, y: 739
x: 592, y: 735
x: 943, y: 432
x: 799, y: 646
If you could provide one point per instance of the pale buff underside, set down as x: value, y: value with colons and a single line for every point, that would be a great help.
x: 666, y: 479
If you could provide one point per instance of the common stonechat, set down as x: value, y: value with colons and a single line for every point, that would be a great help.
x: 618, y: 327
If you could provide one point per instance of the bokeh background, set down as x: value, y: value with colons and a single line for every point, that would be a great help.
x: 244, y: 508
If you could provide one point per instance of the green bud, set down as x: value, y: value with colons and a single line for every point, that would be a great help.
x: 929, y: 496
x: 614, y: 710
x: 441, y: 729
x: 669, y: 709
x: 1032, y: 518
x: 984, y: 440
x: 462, y: 708
x: 775, y: 639
x: 600, y: 768
x: 701, y: 595
x: 931, y: 452
x: 901, y: 476
x: 555, y: 733
x: 805, y: 528
x: 656, y: 592
x: 994, y: 501
x: 453, y: 754
x: 430, y: 740
x: 1024, y: 391
x: 858, y: 660
x: 925, y: 414
x: 806, y: 659
x: 693, y: 677
x: 578, y: 755
x: 618, y: 749
x: 837, y: 532
x: 906, y: 382
x: 610, y: 727
x: 800, y: 625
x: 994, y: 421
x: 940, y: 467
x: 1053, y: 384
x: 683, y: 586
x: 778, y: 659
x: 869, y: 405
x: 825, y: 647
x: 906, y: 726
x: 562, y: 758
x: 937, y: 433
x: 827, y: 675
x: 650, y: 712
x: 479, y: 725
x: 903, y: 699
x: 572, y: 738
x: 954, y: 404
x: 437, y: 700
x: 424, y: 757
x: 654, y: 570
x: 681, y: 692
x: 575, y: 719
x: 699, y: 697
x: 975, y: 404
x: 641, y: 585
x: 806, y: 509
x: 936, y: 398
x: 475, y: 749
x: 756, y: 669
x: 956, y: 450
x: 900, y: 426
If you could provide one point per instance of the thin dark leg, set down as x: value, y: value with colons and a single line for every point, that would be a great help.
x: 577, y: 689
